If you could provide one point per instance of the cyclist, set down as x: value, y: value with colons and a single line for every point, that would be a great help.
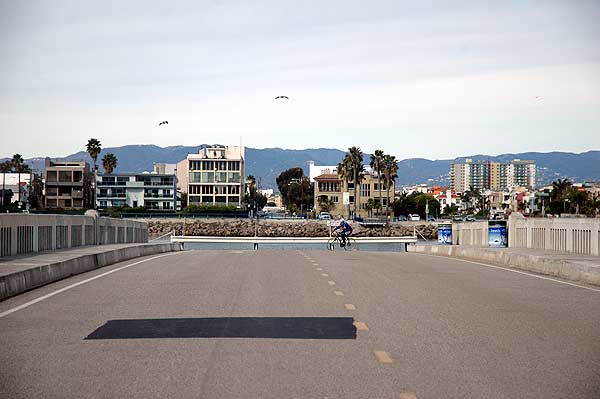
x: 345, y: 231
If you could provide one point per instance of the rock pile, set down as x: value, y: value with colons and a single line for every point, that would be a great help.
x: 272, y: 228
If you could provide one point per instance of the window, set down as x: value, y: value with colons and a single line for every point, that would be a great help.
x: 234, y: 200
x: 334, y: 199
x: 208, y: 165
x: 208, y: 177
x: 207, y: 199
x: 234, y: 165
x: 220, y: 177
x: 365, y: 190
x: 195, y: 177
x: 234, y: 177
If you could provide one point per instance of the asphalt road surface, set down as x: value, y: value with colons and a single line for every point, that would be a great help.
x: 293, y: 324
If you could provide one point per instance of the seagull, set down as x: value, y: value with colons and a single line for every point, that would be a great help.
x: 278, y: 97
x: 163, y: 123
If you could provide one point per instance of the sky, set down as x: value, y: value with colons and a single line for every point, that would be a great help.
x: 431, y: 79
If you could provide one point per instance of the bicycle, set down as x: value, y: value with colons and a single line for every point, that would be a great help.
x: 349, y: 244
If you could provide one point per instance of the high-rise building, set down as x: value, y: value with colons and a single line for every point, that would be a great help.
x: 64, y: 183
x: 215, y: 176
x: 482, y: 175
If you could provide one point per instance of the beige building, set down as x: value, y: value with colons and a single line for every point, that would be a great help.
x: 497, y: 176
x: 215, y: 176
x: 331, y: 187
x: 64, y: 184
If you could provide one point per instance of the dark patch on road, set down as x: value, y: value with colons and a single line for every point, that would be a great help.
x: 229, y: 327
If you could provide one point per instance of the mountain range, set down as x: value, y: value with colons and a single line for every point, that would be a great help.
x: 266, y: 164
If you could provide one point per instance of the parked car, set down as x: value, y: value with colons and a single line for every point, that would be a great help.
x: 414, y: 218
x: 457, y: 218
x: 430, y: 218
x: 470, y: 218
x: 324, y: 216
x: 402, y: 218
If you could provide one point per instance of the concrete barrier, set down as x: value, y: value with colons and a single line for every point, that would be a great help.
x: 576, y: 235
x: 21, y: 281
x: 565, y: 266
x: 29, y: 233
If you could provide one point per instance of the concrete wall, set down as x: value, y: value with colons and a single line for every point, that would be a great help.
x: 21, y: 281
x: 26, y: 233
x: 470, y: 233
x: 580, y: 236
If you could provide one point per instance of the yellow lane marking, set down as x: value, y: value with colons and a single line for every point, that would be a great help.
x: 331, y: 282
x: 383, y: 357
x: 361, y: 326
x: 338, y: 293
x: 408, y: 395
x: 319, y: 268
x: 349, y: 306
x: 315, y: 264
x: 324, y: 274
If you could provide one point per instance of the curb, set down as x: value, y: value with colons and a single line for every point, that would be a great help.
x: 25, y: 280
x: 561, y: 268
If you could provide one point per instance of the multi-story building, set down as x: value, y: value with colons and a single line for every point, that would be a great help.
x: 65, y: 184
x: 483, y: 175
x: 215, y: 176
x: 17, y: 184
x: 330, y: 187
x: 148, y: 190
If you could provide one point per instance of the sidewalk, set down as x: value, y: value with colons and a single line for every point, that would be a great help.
x: 565, y: 265
x: 22, y: 273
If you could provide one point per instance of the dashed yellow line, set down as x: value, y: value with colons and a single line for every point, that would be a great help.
x: 408, y: 395
x: 331, y: 282
x: 384, y: 357
x: 338, y: 293
x: 349, y: 306
x: 324, y: 274
x: 361, y: 326
x: 319, y: 268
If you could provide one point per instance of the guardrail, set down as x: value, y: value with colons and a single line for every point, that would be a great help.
x: 255, y: 241
x: 28, y: 233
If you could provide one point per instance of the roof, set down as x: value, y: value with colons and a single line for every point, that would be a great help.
x: 328, y: 176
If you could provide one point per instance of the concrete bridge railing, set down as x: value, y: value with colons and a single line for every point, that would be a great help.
x: 579, y: 236
x: 26, y: 233
x: 576, y: 235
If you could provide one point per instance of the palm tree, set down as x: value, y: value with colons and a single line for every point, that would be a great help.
x: 377, y: 165
x: 5, y: 167
x: 94, y: 148
x: 109, y: 162
x: 344, y: 170
x: 358, y: 174
x: 560, y: 188
x: 390, y: 170
x: 19, y: 166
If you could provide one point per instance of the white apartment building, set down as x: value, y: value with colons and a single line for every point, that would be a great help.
x: 499, y: 176
x: 149, y: 190
x: 215, y: 176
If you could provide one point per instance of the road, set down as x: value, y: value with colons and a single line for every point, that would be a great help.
x: 294, y: 324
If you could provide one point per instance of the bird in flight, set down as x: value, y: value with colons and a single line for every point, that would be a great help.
x: 278, y: 97
x: 163, y: 123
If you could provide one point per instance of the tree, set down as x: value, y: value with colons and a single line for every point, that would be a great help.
x: 377, y: 166
x: 578, y: 198
x: 390, y: 170
x: 36, y: 200
x: 19, y: 166
x: 5, y: 167
x: 344, y: 170
x: 253, y: 198
x: 295, y: 189
x: 358, y: 174
x: 370, y: 206
x: 109, y: 162
x: 560, y: 189
x: 94, y: 148
x: 325, y: 203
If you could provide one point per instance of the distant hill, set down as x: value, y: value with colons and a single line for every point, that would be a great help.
x: 266, y: 164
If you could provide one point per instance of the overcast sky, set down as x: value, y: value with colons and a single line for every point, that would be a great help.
x: 414, y: 78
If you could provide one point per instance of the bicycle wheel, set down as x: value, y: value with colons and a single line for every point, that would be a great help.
x: 331, y: 243
x: 351, y: 244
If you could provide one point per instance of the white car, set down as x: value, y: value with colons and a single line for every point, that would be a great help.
x: 414, y: 218
x: 324, y: 216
